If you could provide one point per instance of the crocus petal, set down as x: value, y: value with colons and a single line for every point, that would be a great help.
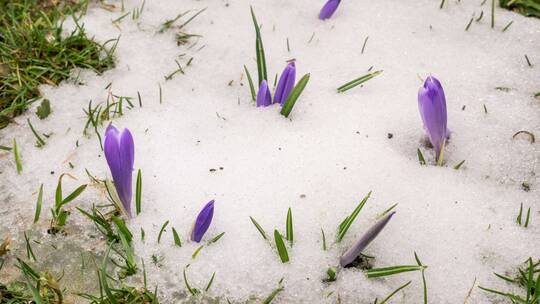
x: 202, y: 222
x: 432, y: 106
x: 328, y: 9
x: 285, y: 83
x: 364, y: 241
x: 263, y: 96
x: 119, y: 152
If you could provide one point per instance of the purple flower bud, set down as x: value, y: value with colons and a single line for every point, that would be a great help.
x: 432, y: 106
x: 203, y: 222
x: 364, y: 241
x: 285, y: 83
x: 328, y: 9
x: 263, y: 96
x: 120, y: 155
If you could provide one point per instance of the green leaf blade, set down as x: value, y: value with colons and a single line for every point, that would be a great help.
x: 294, y: 95
x: 280, y: 245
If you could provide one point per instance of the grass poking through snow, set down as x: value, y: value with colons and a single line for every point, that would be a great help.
x: 34, y: 51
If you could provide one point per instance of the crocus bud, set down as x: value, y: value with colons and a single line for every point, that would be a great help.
x: 285, y: 83
x: 202, y: 222
x: 364, y: 241
x: 264, y: 98
x: 432, y: 106
x: 328, y: 9
x: 119, y: 152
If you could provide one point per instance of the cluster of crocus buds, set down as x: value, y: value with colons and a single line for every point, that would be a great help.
x: 328, y: 9
x: 364, y: 241
x: 119, y: 152
x: 203, y: 221
x: 284, y: 87
x: 432, y: 106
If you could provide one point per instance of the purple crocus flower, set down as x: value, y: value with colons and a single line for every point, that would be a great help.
x: 364, y: 241
x: 119, y: 152
x: 203, y: 222
x: 328, y: 9
x: 285, y: 84
x: 264, y: 99
x: 432, y: 106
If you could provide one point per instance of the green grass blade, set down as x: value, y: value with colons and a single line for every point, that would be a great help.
x: 161, y: 231
x: 421, y: 158
x: 58, y: 194
x: 272, y: 295
x: 251, y: 86
x: 196, y: 252
x: 456, y: 167
x: 323, y: 240
x: 122, y: 228
x: 514, y: 298
x: 261, y: 60
x: 216, y: 238
x: 344, y: 227
x: 38, y: 204
x: 527, y: 218
x: 395, y: 291
x: 17, y: 155
x: 261, y: 230
x: 35, y: 292
x: 358, y: 81
x: 176, y: 237
x: 293, y: 96
x: 387, y: 271
x: 191, y: 290
x: 73, y: 195
x: 280, y: 245
x: 289, y: 227
x: 138, y: 192
x: 518, y: 219
x: 40, y: 140
x: 423, y: 278
x: 210, y: 282
x: 385, y: 212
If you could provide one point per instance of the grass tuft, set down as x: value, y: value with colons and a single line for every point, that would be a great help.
x: 34, y: 51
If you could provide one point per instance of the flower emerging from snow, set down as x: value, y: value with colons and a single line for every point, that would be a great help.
x: 432, y: 106
x: 328, y: 9
x: 264, y: 98
x: 203, y: 222
x: 285, y: 84
x: 369, y: 236
x: 119, y: 152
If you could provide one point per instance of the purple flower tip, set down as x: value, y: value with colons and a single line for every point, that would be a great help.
x: 328, y: 9
x: 432, y: 106
x: 364, y: 241
x: 263, y: 96
x: 202, y: 222
x: 285, y: 84
x: 119, y: 152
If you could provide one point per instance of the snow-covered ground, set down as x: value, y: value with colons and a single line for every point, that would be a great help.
x: 207, y: 140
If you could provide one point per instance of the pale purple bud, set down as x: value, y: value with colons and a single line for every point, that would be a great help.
x: 202, y: 222
x: 285, y: 83
x: 119, y: 152
x: 264, y: 98
x: 364, y: 241
x: 328, y: 9
x: 432, y: 106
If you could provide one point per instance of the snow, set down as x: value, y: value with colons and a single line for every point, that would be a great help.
x: 321, y: 162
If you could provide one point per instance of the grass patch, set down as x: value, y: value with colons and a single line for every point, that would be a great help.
x: 34, y: 50
x: 529, y: 8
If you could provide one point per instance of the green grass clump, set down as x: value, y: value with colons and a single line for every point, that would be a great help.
x: 530, y: 8
x: 34, y: 51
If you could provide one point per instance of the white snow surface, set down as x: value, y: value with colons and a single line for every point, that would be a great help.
x: 321, y: 162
